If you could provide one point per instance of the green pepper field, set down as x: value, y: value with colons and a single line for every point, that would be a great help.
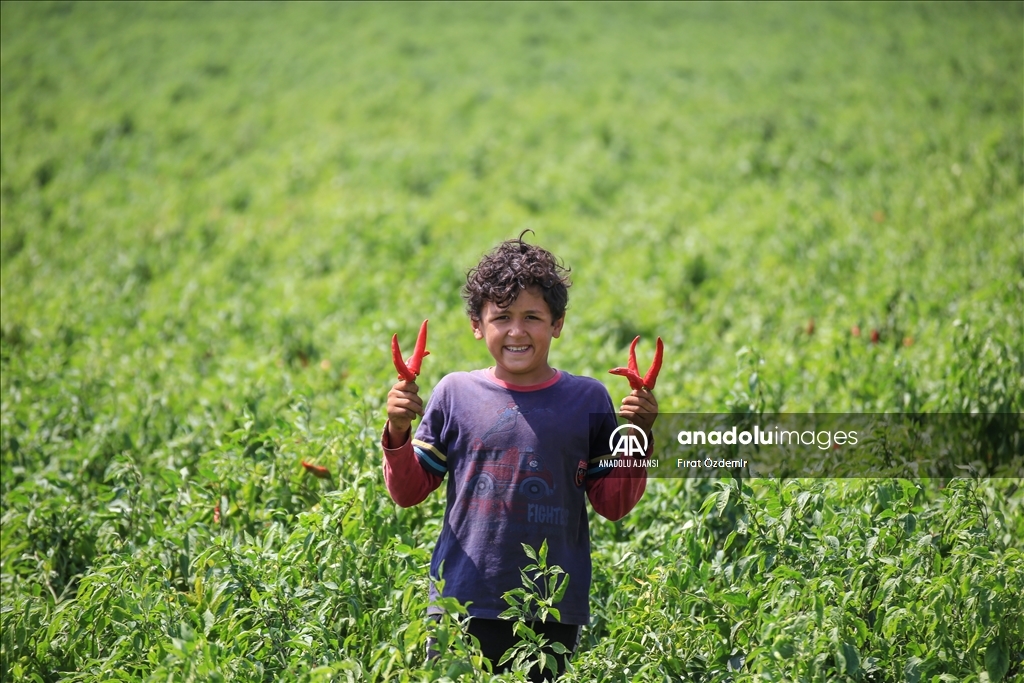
x: 215, y: 215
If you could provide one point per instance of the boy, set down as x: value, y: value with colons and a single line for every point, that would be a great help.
x: 520, y: 448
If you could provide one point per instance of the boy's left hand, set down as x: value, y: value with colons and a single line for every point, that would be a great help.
x: 641, y: 408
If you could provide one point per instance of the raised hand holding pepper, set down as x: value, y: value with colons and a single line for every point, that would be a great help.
x: 404, y: 402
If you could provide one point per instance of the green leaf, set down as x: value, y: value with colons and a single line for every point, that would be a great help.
x: 560, y: 592
x: 723, y: 500
x: 548, y: 662
x: 782, y: 647
x: 737, y: 599
x: 709, y: 502
x: 912, y: 670
x: 997, y: 661
x: 509, y: 653
x: 910, y: 490
x: 851, y: 658
x: 523, y: 631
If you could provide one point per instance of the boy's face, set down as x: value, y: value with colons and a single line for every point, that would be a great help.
x: 519, y: 337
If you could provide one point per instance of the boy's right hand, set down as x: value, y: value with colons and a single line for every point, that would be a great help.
x: 404, y: 405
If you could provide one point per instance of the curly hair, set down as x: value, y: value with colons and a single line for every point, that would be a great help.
x: 510, y: 268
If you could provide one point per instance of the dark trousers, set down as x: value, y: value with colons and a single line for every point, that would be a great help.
x: 496, y: 637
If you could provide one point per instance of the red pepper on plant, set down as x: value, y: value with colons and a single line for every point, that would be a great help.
x: 318, y: 471
x: 632, y: 371
x: 411, y: 370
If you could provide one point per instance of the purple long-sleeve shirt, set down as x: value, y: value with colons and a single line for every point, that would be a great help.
x: 521, y: 463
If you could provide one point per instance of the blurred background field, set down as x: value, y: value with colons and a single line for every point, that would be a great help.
x: 215, y: 215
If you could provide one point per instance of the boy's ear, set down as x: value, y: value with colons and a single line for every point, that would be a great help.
x: 477, y: 330
x: 558, y: 327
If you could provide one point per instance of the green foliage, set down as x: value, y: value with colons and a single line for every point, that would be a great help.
x: 214, y: 216
x: 860, y: 580
x: 543, y: 588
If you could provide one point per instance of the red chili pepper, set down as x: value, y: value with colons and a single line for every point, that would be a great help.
x: 411, y: 370
x: 318, y: 471
x: 875, y: 336
x: 631, y: 364
x: 216, y: 514
x: 632, y: 372
x: 652, y: 373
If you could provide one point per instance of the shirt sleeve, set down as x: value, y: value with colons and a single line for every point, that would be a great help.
x: 613, y: 496
x: 613, y: 492
x: 407, y: 480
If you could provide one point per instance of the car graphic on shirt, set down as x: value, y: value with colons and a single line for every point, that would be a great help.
x: 497, y: 471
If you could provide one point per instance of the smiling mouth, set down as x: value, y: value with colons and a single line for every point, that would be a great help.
x: 517, y: 349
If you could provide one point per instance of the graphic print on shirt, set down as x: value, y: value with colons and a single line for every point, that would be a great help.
x: 506, y: 422
x: 505, y: 482
x: 581, y: 473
